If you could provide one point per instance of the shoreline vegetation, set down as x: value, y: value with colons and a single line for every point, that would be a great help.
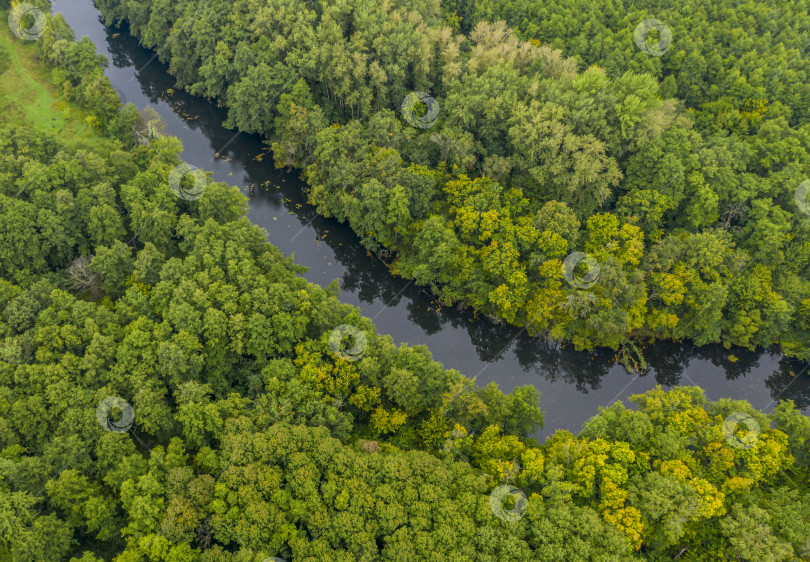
x: 172, y: 390
x: 597, y: 207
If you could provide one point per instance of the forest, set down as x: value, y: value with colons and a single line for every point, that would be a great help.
x: 172, y: 390
x: 559, y: 175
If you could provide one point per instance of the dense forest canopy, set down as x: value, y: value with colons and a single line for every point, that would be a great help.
x: 734, y: 63
x: 172, y: 390
x: 569, y: 179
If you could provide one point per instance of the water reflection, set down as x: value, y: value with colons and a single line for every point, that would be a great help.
x: 572, y: 384
x: 584, y: 370
x: 790, y: 382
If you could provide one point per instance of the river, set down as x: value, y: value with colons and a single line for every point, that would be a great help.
x: 573, y: 385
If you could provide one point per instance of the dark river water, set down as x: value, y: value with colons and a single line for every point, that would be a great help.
x: 573, y: 385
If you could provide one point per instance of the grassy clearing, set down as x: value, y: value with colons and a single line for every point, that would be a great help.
x: 27, y: 97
